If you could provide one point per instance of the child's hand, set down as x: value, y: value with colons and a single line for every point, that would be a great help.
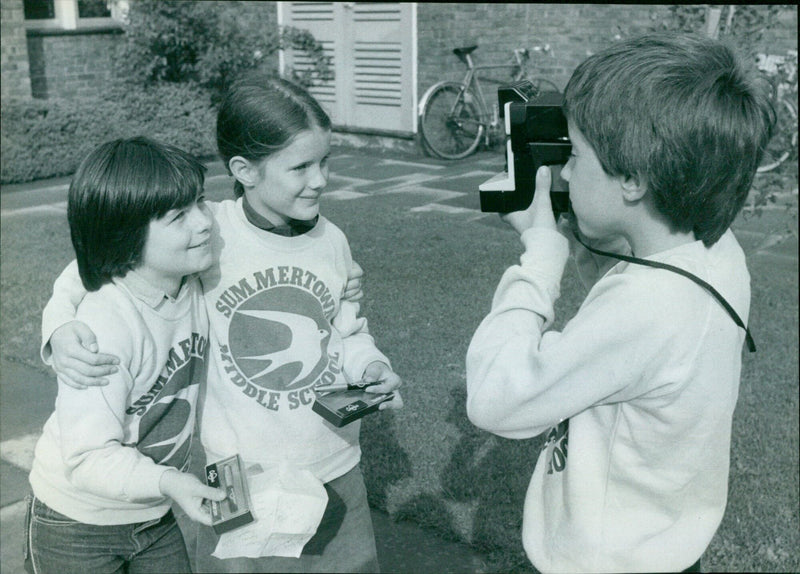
x: 75, y: 358
x: 352, y: 291
x: 380, y: 371
x: 189, y: 493
x: 540, y: 211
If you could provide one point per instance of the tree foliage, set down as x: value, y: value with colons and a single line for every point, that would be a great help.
x: 210, y: 42
x: 746, y: 25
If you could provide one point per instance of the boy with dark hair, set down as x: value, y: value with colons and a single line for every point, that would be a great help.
x: 667, y: 132
x: 111, y: 459
x: 117, y: 191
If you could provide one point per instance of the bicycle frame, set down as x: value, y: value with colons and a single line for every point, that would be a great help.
x: 473, y: 81
x: 455, y: 116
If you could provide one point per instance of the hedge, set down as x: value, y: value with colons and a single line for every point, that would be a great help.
x: 49, y: 138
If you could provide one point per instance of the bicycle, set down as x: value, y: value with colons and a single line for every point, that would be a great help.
x: 454, y: 117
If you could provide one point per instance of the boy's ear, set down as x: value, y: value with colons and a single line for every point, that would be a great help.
x: 244, y: 170
x: 633, y: 188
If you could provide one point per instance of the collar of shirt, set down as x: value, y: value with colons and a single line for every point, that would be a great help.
x: 292, y: 228
x: 144, y: 290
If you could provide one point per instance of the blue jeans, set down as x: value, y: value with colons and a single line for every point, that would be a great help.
x: 56, y: 543
x: 344, y: 541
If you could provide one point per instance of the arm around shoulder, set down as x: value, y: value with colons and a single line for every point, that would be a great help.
x: 68, y: 292
x: 70, y: 346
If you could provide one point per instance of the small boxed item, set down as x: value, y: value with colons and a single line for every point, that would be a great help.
x: 343, y: 407
x: 234, y: 511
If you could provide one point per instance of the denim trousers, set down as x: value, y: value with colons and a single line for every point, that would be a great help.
x: 56, y: 543
x: 344, y: 542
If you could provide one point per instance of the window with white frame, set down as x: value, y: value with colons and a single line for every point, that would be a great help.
x: 72, y: 14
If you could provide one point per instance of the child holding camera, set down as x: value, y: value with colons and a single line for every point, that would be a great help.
x: 111, y: 459
x: 637, y: 392
x: 280, y: 324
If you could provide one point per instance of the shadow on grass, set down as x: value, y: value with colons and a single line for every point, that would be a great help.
x: 383, y: 460
x: 490, y: 475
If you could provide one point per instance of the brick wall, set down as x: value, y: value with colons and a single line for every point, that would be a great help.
x: 573, y: 31
x: 71, y: 64
x: 13, y: 51
x: 784, y: 37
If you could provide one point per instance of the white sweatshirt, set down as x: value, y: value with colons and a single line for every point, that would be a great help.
x: 102, y: 453
x: 638, y: 392
x: 278, y: 327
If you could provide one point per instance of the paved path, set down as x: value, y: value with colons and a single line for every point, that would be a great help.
x: 442, y: 187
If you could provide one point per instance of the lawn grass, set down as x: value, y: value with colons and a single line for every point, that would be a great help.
x: 429, y: 281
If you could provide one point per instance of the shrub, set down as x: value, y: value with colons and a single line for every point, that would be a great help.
x: 49, y: 138
x: 209, y: 43
x: 174, y: 61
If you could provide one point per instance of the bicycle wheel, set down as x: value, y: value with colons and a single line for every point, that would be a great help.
x: 783, y: 144
x: 450, y: 123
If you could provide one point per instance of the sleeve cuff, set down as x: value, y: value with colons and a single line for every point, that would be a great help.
x: 355, y: 369
x: 545, y: 249
x: 146, y: 484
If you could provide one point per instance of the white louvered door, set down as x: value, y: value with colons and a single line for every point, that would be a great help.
x: 371, y: 45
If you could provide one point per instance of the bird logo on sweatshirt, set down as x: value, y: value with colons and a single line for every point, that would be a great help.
x: 279, y: 338
x: 303, y: 347
x: 164, y: 416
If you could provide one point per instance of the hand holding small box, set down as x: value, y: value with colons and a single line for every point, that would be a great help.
x: 380, y: 378
x: 189, y: 493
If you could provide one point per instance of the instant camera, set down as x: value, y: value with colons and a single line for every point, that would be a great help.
x: 536, y: 135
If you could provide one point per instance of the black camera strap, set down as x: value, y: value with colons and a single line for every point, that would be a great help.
x: 751, y: 345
